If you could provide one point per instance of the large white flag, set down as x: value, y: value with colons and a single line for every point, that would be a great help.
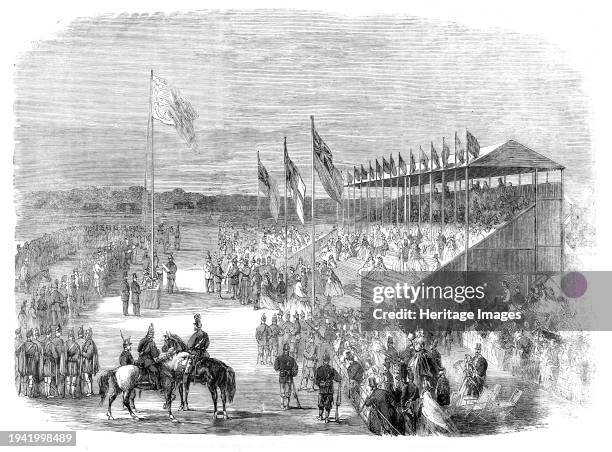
x: 295, y: 185
x: 169, y: 107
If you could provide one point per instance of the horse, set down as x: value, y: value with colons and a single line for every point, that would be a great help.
x: 216, y: 375
x: 126, y: 379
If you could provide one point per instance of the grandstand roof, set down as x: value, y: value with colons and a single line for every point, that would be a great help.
x: 503, y: 159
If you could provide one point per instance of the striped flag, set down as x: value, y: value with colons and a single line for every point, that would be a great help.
x: 386, y: 166
x: 330, y: 176
x: 295, y: 185
x: 472, y: 144
x: 412, y: 163
x: 379, y: 170
x: 269, y: 187
x: 459, y: 151
x: 170, y: 108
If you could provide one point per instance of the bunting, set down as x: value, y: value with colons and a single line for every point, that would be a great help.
x: 435, y: 159
x: 472, y: 144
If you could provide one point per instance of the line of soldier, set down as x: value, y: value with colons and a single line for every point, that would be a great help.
x: 272, y: 338
x: 50, y: 366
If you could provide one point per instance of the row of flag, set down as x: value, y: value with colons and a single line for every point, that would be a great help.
x: 426, y: 162
x: 329, y: 175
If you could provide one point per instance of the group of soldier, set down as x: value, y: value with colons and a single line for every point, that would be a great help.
x: 49, y: 367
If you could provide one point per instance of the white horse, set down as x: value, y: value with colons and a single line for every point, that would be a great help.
x: 126, y: 379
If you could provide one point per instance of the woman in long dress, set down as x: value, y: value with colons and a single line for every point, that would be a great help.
x: 333, y: 286
x: 268, y: 294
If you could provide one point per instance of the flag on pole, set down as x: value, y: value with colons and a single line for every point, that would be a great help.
x: 349, y: 178
x: 393, y: 167
x: 412, y: 163
x: 269, y: 187
x: 386, y: 166
x: 170, y: 108
x: 364, y: 173
x: 424, y: 160
x: 295, y: 185
x: 401, y: 164
x: 445, y: 153
x: 434, y: 157
x: 371, y: 176
x: 330, y: 176
x: 459, y: 151
x: 356, y: 174
x: 379, y: 170
x: 472, y: 144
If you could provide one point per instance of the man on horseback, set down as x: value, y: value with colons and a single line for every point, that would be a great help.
x: 148, y: 354
x: 197, y: 345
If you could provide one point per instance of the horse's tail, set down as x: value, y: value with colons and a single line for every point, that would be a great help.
x: 230, y: 383
x: 103, y: 384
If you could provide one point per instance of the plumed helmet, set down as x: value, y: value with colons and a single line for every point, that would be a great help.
x: 127, y: 342
x: 197, y: 320
x: 286, y: 347
x: 151, y: 330
x: 263, y: 317
x: 81, y: 332
x: 71, y: 333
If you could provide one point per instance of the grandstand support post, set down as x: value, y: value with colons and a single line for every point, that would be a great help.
x: 467, y: 218
x: 382, y: 208
x: 354, y: 203
x: 312, y: 211
x: 409, y: 213
x: 405, y: 194
x: 397, y: 199
x: 360, y: 202
x: 368, y: 206
x: 420, y: 192
x: 535, y: 221
x: 562, y: 227
x: 442, y: 208
x: 431, y: 228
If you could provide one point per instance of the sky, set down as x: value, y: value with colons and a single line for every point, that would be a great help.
x: 376, y: 85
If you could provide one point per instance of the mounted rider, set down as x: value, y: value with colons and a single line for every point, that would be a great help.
x: 147, y: 359
x: 197, y: 345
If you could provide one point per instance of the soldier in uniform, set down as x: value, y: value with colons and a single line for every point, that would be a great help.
x: 89, y: 362
x: 310, y: 360
x: 50, y: 357
x: 256, y: 281
x: 28, y: 361
x: 443, y: 391
x: 324, y: 379
x: 197, y: 346
x: 287, y: 368
x: 274, y: 332
x: 73, y: 363
x: 135, y: 295
x: 126, y: 358
x: 40, y: 343
x: 410, y: 401
x: 60, y: 366
x: 355, y: 373
x: 478, y: 376
x: 125, y: 293
x: 56, y: 304
x: 147, y: 359
x: 296, y: 335
x: 262, y: 335
x: 171, y: 269
x: 287, y: 331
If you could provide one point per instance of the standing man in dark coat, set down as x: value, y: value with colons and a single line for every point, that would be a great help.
x: 171, y: 269
x: 355, y: 374
x: 383, y: 417
x: 73, y: 363
x: 410, y: 402
x: 287, y: 368
x: 28, y: 360
x: 89, y: 361
x: 324, y: 379
x: 60, y: 362
x: 135, y: 295
x: 443, y: 391
x: 125, y: 293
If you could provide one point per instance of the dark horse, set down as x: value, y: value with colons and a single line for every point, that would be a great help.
x: 209, y: 371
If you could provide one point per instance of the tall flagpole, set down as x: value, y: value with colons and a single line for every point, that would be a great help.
x: 360, y: 200
x: 455, y: 187
x: 286, y: 244
x: 467, y: 203
x: 257, y: 191
x: 152, y: 170
x: 368, y: 200
x: 312, y: 211
x: 354, y: 203
x: 431, y: 228
x: 382, y: 209
x: 443, y: 190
